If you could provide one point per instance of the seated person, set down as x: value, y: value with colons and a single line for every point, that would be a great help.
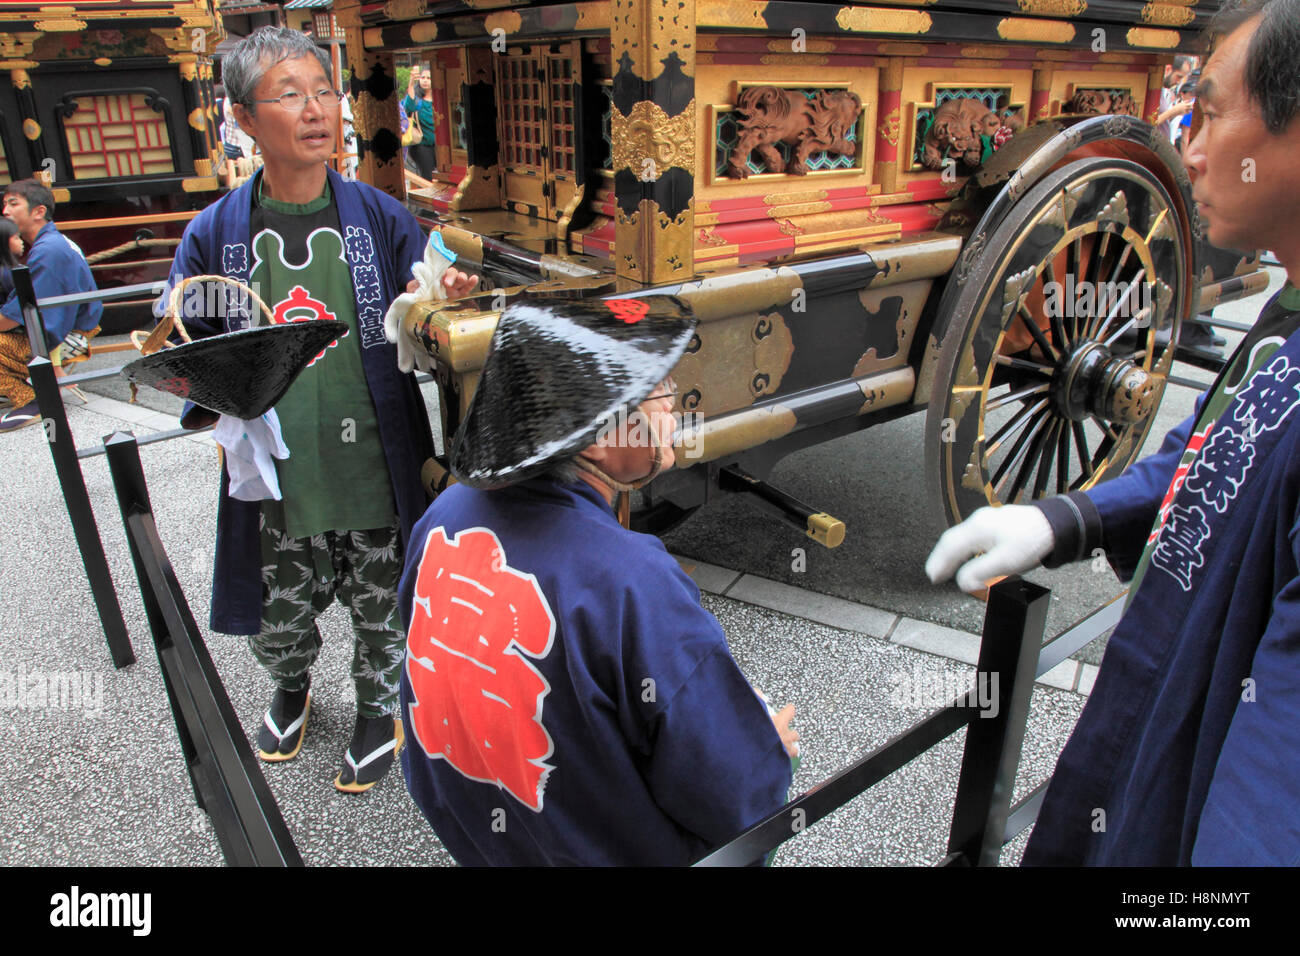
x: 567, y: 700
x: 57, y: 268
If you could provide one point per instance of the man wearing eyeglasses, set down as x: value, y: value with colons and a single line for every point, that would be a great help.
x: 316, y: 246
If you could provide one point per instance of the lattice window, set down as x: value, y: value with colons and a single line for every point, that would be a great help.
x: 996, y: 98
x: 522, y: 111
x: 327, y: 25
x: 562, y: 116
x: 117, y: 135
x: 726, y: 134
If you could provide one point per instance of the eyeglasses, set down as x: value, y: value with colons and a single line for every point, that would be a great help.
x: 671, y: 392
x: 293, y: 101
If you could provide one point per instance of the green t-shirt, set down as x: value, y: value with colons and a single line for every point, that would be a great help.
x: 1280, y: 318
x: 336, y: 476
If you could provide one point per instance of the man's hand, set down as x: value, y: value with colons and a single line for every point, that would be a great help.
x: 456, y: 283
x: 991, y: 543
x: 789, y: 738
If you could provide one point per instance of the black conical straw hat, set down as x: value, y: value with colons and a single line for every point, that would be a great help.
x: 556, y: 369
x: 239, y: 373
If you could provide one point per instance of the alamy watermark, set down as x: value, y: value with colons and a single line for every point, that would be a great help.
x: 52, y: 690
x: 926, y: 689
x: 1087, y: 300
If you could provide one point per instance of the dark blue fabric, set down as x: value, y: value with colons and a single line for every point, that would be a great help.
x: 57, y: 269
x: 1188, y: 751
x: 382, y: 242
x: 655, y: 782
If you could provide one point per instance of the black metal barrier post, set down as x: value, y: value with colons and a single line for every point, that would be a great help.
x: 1011, y: 641
x: 54, y: 419
x: 227, y: 780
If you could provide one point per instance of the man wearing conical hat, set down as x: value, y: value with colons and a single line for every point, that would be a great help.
x: 567, y: 699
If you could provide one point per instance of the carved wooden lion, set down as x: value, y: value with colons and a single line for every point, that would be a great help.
x: 1099, y: 101
x: 956, y: 130
x: 771, y: 115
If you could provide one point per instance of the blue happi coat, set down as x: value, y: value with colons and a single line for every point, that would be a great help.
x: 382, y: 241
x: 566, y: 699
x: 57, y: 268
x: 1188, y: 751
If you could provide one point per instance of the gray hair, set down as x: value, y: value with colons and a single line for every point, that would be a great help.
x: 246, y: 64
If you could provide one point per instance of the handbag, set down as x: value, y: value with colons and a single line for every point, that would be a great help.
x: 413, y: 135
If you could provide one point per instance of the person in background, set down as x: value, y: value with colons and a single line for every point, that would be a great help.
x: 419, y: 104
x: 57, y: 268
x: 1171, y: 105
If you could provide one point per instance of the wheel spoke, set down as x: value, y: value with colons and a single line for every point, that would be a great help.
x: 1015, y: 396
x: 1039, y: 339
x: 1011, y: 425
x: 1081, y: 449
x: 1057, y: 325
x: 1045, y: 459
x: 1030, y: 460
x: 1122, y: 303
x: 1024, y: 365
x: 1063, y: 460
x: 1017, y: 450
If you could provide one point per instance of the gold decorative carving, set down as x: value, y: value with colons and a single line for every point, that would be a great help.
x: 878, y: 20
x: 404, y: 9
x: 31, y: 129
x: 890, y: 126
x: 771, y: 114
x: 810, y: 46
x: 1146, y: 36
x: 103, y: 61
x: 508, y: 20
x: 20, y: 79
x: 197, y: 120
x: 1053, y: 8
x: 1037, y: 31
x: 1165, y: 15
x: 188, y: 71
x: 783, y: 199
x: 710, y: 238
x: 739, y: 359
x: 480, y: 189
x: 17, y: 46
x: 60, y: 26
x: 788, y: 228
x: 728, y: 13
x: 649, y: 31
x: 793, y: 59
x: 650, y: 141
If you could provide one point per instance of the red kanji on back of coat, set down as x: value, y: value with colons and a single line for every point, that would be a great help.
x: 478, y: 700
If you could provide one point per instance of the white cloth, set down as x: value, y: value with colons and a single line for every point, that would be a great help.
x: 250, y: 447
x: 1013, y: 539
x: 429, y: 274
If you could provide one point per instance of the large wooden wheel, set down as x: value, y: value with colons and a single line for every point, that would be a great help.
x: 1052, y: 368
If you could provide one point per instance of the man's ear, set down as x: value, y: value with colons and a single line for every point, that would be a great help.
x: 243, y: 117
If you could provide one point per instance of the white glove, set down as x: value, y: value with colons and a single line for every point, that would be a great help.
x: 429, y: 275
x: 1013, y: 539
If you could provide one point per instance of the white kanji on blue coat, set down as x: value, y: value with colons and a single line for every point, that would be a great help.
x: 371, y: 321
x: 369, y: 291
x: 234, y: 259
x: 360, y: 248
x: 1179, y: 550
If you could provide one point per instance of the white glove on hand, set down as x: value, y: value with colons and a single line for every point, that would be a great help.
x: 429, y: 274
x: 1014, y: 539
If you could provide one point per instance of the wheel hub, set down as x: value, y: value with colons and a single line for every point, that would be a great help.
x: 1090, y: 381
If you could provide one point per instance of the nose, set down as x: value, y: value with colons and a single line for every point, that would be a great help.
x: 1194, y: 158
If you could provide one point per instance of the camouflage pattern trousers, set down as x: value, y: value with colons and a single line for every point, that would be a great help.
x: 300, y: 579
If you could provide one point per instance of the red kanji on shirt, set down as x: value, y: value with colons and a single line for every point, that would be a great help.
x: 478, y: 700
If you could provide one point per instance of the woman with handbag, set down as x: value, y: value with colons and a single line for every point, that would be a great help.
x: 419, y: 137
